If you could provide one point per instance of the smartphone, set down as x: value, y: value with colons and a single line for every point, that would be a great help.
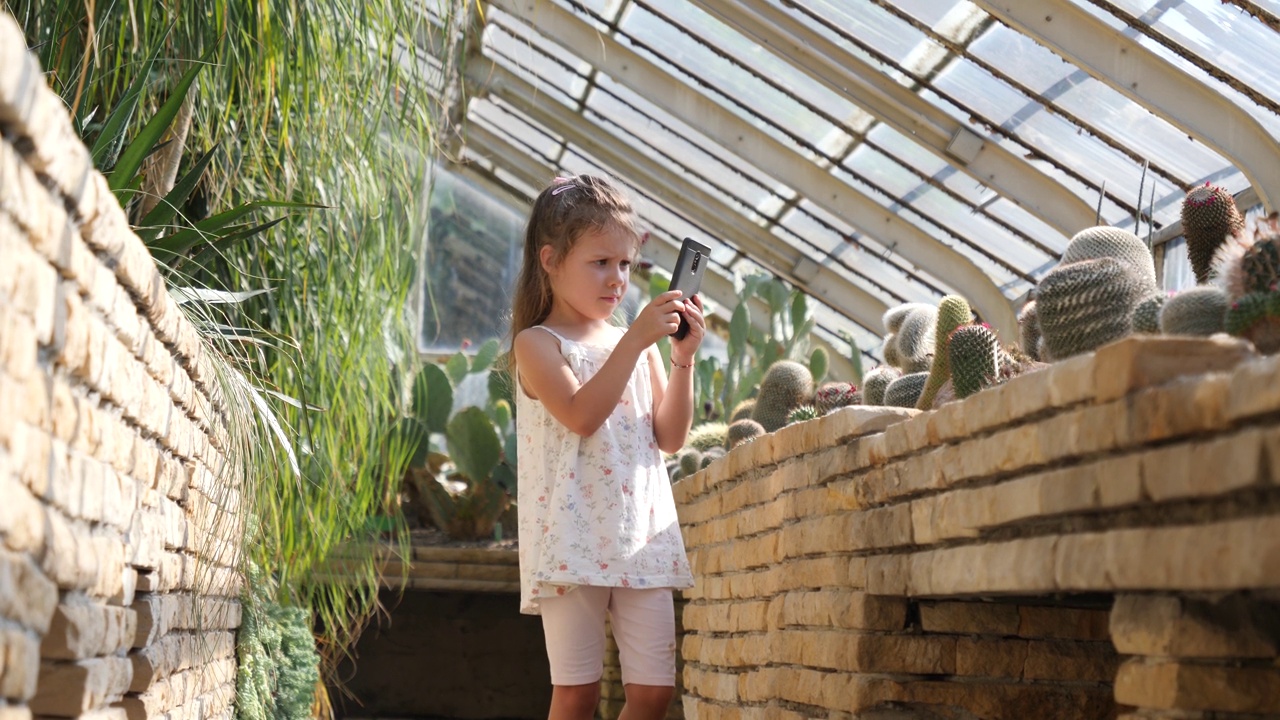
x: 687, y: 276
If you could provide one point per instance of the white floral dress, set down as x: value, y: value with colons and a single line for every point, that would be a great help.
x: 596, y: 510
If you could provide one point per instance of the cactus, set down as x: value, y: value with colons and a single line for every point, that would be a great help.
x: 1029, y: 330
x: 743, y: 431
x: 915, y: 339
x: 707, y: 435
x: 690, y: 462
x: 786, y: 386
x: 832, y: 395
x: 1087, y: 304
x: 1256, y: 316
x: 802, y: 413
x: 894, y: 316
x: 1105, y: 241
x: 1209, y: 215
x: 905, y: 391
x: 975, y: 359
x: 818, y: 363
x: 1146, y: 314
x: 1260, y: 265
x: 876, y: 382
x: 891, y: 355
x: 953, y: 311
x: 743, y: 410
x: 1201, y: 310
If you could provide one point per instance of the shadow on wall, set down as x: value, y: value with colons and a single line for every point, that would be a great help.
x: 448, y: 655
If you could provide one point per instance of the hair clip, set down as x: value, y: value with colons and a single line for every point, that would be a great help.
x: 566, y: 186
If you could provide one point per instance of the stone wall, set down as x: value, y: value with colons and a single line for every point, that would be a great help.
x: 118, y: 535
x: 1098, y: 539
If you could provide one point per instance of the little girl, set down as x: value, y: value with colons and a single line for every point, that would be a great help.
x: 594, y: 411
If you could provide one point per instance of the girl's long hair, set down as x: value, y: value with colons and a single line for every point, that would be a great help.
x: 562, y: 213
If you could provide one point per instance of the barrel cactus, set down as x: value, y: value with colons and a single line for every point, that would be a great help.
x: 1201, y: 310
x: 707, y: 435
x: 832, y: 395
x: 1256, y: 316
x: 690, y: 462
x: 1105, y: 241
x: 1085, y: 305
x: 894, y: 316
x: 802, y: 413
x: 741, y: 431
x: 905, y: 391
x: 786, y: 386
x: 743, y: 410
x: 876, y: 382
x: 1209, y: 216
x: 975, y: 359
x: 711, y: 456
x: 953, y: 311
x: 915, y: 339
x: 1146, y: 314
x: 1029, y: 330
x: 891, y: 354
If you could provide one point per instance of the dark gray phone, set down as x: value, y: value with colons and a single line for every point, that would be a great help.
x: 687, y: 276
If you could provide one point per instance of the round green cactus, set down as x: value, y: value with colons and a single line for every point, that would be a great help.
x: 1085, y: 305
x: 741, y: 431
x: 786, y: 386
x: 1256, y: 317
x: 1209, y: 216
x: 832, y: 395
x: 743, y: 410
x: 975, y: 359
x: 1146, y: 314
x: 1029, y: 330
x: 905, y: 391
x: 1201, y: 310
x: 953, y: 311
x: 891, y: 354
x: 915, y: 339
x: 690, y: 462
x: 1105, y: 241
x: 1260, y: 265
x: 876, y: 382
x: 707, y: 436
x: 894, y: 316
x: 802, y: 413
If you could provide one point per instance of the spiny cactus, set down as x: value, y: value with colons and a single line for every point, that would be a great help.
x: 876, y: 382
x: 894, y: 316
x: 915, y: 339
x: 707, y: 436
x: 1260, y: 265
x: 711, y: 456
x: 802, y: 413
x: 905, y: 391
x: 743, y: 410
x: 975, y: 359
x: 690, y: 462
x: 1256, y: 316
x: 1209, y: 215
x: 818, y: 363
x: 1029, y: 330
x: 786, y: 385
x: 832, y: 395
x: 1113, y: 242
x: 953, y: 311
x: 741, y: 431
x: 1146, y: 314
x: 1085, y: 305
x: 891, y: 354
x: 1201, y: 310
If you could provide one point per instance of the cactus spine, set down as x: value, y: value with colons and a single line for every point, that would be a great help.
x: 1029, y: 330
x: 1085, y: 305
x: 707, y: 436
x: 743, y: 431
x: 905, y: 391
x: 802, y: 413
x: 832, y: 395
x: 1209, y: 215
x: 953, y: 311
x: 975, y: 359
x: 1105, y: 241
x: 915, y: 339
x: 1201, y: 310
x: 786, y: 386
x: 876, y: 382
x: 1146, y: 314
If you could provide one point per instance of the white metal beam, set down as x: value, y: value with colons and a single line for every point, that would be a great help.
x: 673, y: 190
x: 771, y: 156
x: 1123, y: 64
x: 902, y: 109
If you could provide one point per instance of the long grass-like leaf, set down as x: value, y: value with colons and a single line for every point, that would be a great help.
x: 126, y: 168
x: 214, y: 228
x: 111, y: 137
x: 165, y: 210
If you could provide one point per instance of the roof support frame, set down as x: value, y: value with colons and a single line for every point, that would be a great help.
x: 753, y: 145
x: 1138, y: 73
x: 900, y: 108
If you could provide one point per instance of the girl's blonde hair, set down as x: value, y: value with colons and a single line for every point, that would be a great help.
x: 561, y: 214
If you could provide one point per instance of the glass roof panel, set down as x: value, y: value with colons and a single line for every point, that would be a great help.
x: 871, y: 24
x: 518, y: 129
x: 514, y: 46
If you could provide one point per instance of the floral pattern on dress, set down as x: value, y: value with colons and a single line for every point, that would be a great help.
x: 596, y: 510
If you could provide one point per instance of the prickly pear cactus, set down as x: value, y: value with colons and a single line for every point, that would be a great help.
x: 819, y: 361
x: 876, y: 382
x: 905, y: 391
x: 832, y: 395
x: 1201, y: 310
x: 707, y: 436
x: 1113, y: 242
x: 1209, y: 215
x: 1085, y: 305
x: 1256, y: 317
x: 953, y: 311
x: 786, y: 386
x: 802, y: 413
x: 1029, y: 330
x: 1146, y: 314
x: 741, y: 431
x: 915, y: 339
x: 975, y: 359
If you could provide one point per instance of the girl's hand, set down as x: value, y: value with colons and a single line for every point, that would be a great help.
x: 658, y: 319
x: 683, y: 351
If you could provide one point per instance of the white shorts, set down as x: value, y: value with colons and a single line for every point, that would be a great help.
x: 644, y: 626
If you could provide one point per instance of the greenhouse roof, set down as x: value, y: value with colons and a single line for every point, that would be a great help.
x: 874, y: 152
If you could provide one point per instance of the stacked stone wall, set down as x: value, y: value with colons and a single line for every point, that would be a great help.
x: 119, y: 530
x: 1099, y: 539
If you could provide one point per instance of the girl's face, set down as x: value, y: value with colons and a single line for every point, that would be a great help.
x: 589, y: 281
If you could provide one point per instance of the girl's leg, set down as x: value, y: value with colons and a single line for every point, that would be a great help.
x: 644, y: 625
x: 573, y: 625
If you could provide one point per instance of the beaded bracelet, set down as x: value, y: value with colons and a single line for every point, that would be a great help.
x: 678, y: 365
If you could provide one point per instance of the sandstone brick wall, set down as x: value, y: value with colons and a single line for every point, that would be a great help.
x: 118, y: 531
x: 1098, y: 539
